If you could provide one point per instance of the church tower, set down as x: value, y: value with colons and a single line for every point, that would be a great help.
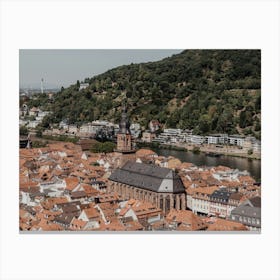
x: 124, y: 138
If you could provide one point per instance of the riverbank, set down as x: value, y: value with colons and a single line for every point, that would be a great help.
x: 211, y: 150
x: 199, y: 158
x: 224, y: 151
x: 253, y: 166
x: 43, y: 141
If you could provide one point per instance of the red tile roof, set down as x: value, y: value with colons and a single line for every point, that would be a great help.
x: 145, y: 153
x: 226, y: 225
x: 92, y: 213
x: 77, y: 224
x: 71, y: 183
x: 186, y: 219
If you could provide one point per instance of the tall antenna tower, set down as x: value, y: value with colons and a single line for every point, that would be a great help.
x: 42, y: 85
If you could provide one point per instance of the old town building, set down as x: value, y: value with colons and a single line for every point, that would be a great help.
x: 201, y: 199
x: 159, y: 186
x: 219, y: 203
x: 248, y: 213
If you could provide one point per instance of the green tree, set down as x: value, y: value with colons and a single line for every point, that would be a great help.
x: 258, y: 103
x: 39, y: 132
x: 245, y: 118
x: 258, y: 126
x: 250, y: 151
x: 23, y: 130
x: 106, y: 147
x: 242, y: 119
x: 197, y: 89
x: 39, y: 144
x: 204, y: 123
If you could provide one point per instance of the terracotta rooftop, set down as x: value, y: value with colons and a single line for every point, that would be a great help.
x: 226, y: 225
x: 174, y: 163
x: 89, y: 190
x: 133, y: 226
x: 50, y: 202
x: 236, y: 196
x: 124, y: 211
x: 113, y: 226
x: 46, y: 225
x: 185, y: 165
x: 205, y: 190
x: 221, y: 168
x: 108, y: 197
x: 187, y: 219
x: 78, y: 194
x: 71, y: 183
x: 28, y: 185
x: 92, y: 213
x: 246, y: 179
x: 145, y: 153
x: 77, y: 224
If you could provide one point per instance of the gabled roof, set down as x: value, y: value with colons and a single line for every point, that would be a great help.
x: 70, y: 207
x: 71, y: 183
x: 149, y: 177
x: 186, y: 220
x: 256, y: 201
x: 236, y: 196
x: 252, y: 202
x: 247, y: 211
x: 145, y: 153
x: 65, y: 219
x: 226, y: 225
x: 77, y: 224
x: 78, y: 194
x: 221, y: 195
x: 92, y: 213
x: 50, y: 202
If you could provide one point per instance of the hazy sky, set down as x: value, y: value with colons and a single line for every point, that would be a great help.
x: 64, y: 67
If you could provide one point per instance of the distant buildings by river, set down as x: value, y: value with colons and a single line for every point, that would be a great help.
x: 102, y: 129
x: 179, y: 136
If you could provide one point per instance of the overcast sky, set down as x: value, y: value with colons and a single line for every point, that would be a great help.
x: 64, y: 67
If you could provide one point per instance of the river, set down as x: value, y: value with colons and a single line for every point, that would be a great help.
x: 253, y: 166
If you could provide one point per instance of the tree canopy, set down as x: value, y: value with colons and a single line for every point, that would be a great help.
x: 206, y: 90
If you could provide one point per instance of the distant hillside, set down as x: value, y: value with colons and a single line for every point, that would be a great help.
x: 205, y: 90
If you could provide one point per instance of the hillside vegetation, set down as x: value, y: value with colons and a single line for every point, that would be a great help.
x: 205, y: 90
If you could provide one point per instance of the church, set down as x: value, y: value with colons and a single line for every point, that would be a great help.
x: 124, y: 137
x: 151, y: 183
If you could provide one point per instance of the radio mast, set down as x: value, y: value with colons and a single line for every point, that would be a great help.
x: 42, y: 85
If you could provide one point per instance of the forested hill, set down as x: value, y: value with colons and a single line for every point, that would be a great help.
x: 205, y: 90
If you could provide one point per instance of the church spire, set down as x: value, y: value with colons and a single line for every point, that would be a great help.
x: 124, y: 123
x: 124, y: 137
